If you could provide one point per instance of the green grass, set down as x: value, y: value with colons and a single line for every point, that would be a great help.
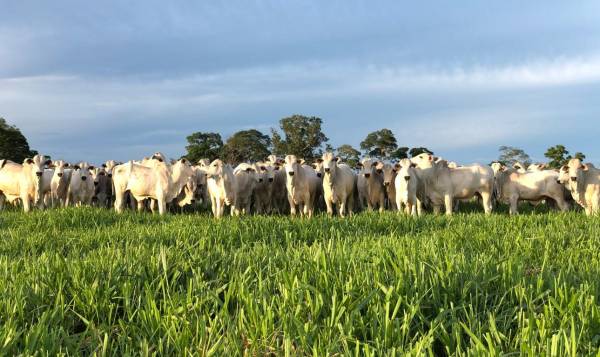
x: 82, y: 281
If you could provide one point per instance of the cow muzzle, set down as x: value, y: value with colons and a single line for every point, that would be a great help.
x: 367, y: 175
x: 96, y: 183
x: 109, y: 175
x: 574, y: 178
x: 291, y: 173
x: 83, y: 178
x: 270, y: 179
x: 327, y: 169
x: 386, y: 184
x: 38, y: 174
x: 407, y: 178
x: 59, y: 174
x: 318, y: 174
x: 260, y: 180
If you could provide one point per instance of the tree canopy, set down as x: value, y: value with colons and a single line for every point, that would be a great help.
x: 302, y: 136
x: 379, y: 144
x: 13, y: 144
x: 203, y: 146
x: 559, y: 156
x: 509, y: 155
x: 246, y: 145
x: 348, y: 154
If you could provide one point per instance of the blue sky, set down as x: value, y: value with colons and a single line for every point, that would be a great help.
x: 120, y: 80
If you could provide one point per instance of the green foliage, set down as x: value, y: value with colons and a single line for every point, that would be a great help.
x: 348, y: 154
x: 302, y: 137
x: 80, y: 281
x: 246, y: 146
x: 400, y: 153
x: 419, y: 150
x: 204, y: 146
x: 559, y: 156
x: 13, y: 144
x: 379, y: 144
x: 509, y: 155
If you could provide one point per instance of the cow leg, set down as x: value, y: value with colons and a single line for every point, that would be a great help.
x: 329, y: 207
x: 486, y: 198
x: 381, y: 203
x: 419, y: 207
x: 162, y: 205
x: 292, y: 206
x: 448, y: 201
x: 514, y: 201
x: 436, y: 208
x: 140, y: 205
x: 26, y: 203
x: 411, y: 209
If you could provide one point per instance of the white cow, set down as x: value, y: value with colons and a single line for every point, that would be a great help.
x: 81, y: 185
x: 279, y: 201
x: 339, y: 184
x: 408, y: 188
x: 370, y: 185
x: 59, y: 186
x: 389, y: 173
x: 301, y: 185
x: 443, y: 185
x: 22, y: 181
x: 513, y: 185
x: 537, y: 167
x: 263, y: 191
x: 157, y: 181
x: 221, y: 186
x: 102, y: 187
x: 245, y: 181
x: 583, y: 180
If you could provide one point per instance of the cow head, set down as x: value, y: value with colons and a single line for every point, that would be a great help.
x: 368, y: 168
x: 36, y: 165
x: 292, y: 166
x: 329, y: 166
x: 84, y: 170
x: 59, y: 167
x: 389, y: 173
x: 424, y: 160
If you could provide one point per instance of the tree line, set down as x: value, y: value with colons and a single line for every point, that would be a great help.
x: 298, y: 135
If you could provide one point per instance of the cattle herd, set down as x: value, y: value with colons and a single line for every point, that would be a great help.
x: 290, y: 185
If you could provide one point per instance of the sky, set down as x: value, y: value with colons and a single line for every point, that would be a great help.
x: 122, y: 79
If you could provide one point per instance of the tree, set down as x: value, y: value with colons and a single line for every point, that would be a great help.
x: 379, y: 144
x: 203, y: 146
x: 509, y: 155
x: 246, y: 145
x: 400, y: 153
x: 348, y: 154
x: 559, y: 156
x: 419, y: 150
x: 13, y: 144
x: 302, y: 137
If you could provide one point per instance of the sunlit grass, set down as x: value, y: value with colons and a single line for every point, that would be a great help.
x: 81, y: 281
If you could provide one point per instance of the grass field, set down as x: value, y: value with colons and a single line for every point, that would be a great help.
x: 81, y: 281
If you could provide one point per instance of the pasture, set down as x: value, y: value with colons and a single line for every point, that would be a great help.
x: 87, y: 280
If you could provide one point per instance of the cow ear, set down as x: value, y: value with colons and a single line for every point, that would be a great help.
x: 359, y: 164
x: 565, y: 168
x: 319, y: 160
x: 248, y: 169
x: 298, y: 161
x: 66, y: 164
x: 585, y: 167
x: 263, y: 168
x: 104, y: 165
x: 92, y: 167
x: 337, y: 159
x: 76, y: 167
x: 28, y: 161
x: 412, y: 164
x: 48, y: 162
x: 397, y: 166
